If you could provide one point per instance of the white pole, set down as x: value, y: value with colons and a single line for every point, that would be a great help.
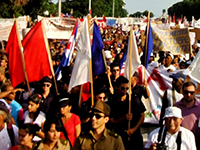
x: 89, y: 6
x: 113, y: 13
x: 59, y: 8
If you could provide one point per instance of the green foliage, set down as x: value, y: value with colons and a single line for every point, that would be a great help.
x: 99, y: 8
x: 186, y: 8
x: 140, y: 14
x: 9, y: 9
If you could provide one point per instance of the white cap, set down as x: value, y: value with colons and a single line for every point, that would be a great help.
x: 107, y: 54
x: 173, y: 112
x: 170, y: 54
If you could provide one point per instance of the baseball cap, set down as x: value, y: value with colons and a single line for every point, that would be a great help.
x: 64, y: 102
x: 3, y: 107
x: 173, y: 112
x: 46, y: 79
x: 101, y: 107
x: 107, y: 54
x: 178, y: 75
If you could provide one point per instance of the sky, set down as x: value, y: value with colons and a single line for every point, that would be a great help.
x: 155, y: 6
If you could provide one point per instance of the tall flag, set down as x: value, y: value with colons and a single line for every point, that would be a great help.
x: 135, y: 58
x: 13, y: 49
x: 98, y: 66
x: 36, y: 53
x: 67, y: 55
x: 149, y: 44
x: 81, y: 69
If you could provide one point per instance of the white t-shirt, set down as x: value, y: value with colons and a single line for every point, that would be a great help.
x: 39, y: 120
x: 171, y: 67
x: 187, y: 137
x: 5, y: 142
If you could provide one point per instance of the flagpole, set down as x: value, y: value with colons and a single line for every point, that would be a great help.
x: 104, y: 59
x: 91, y: 76
x: 80, y: 96
x: 130, y: 65
x: 146, y: 47
x: 49, y: 56
x: 22, y: 57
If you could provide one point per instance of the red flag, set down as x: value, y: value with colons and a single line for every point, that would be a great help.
x: 13, y: 50
x: 173, y: 20
x: 36, y: 54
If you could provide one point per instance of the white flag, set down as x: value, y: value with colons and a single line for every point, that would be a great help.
x: 81, y: 69
x: 134, y: 58
x: 194, y: 68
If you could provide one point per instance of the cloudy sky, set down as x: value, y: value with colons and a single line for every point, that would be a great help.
x: 155, y: 6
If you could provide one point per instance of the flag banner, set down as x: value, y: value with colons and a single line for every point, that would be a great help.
x: 81, y: 69
x: 149, y: 44
x: 158, y: 81
x: 135, y: 59
x: 98, y: 66
x: 58, y: 27
x: 16, y: 70
x: 6, y: 26
x: 67, y: 55
x: 177, y: 41
x: 36, y: 54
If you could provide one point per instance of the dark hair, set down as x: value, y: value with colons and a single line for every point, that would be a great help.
x: 35, y: 98
x: 186, y: 84
x: 53, y: 120
x: 115, y: 64
x: 120, y: 80
x: 30, y: 128
x: 4, y: 87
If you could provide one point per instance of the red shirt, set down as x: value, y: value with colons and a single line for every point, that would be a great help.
x: 70, y: 127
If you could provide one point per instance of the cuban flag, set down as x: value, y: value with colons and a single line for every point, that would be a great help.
x: 67, y: 55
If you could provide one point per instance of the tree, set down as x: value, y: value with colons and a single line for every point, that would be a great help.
x: 139, y: 14
x: 99, y: 8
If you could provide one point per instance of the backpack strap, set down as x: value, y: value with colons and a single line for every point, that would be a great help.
x: 178, y: 140
x: 11, y: 133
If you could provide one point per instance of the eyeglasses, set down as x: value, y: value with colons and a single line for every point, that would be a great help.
x: 47, y: 85
x: 123, y: 88
x: 187, y: 92
x: 96, y: 115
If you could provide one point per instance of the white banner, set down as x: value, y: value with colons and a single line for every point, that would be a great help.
x: 58, y: 27
x: 6, y: 25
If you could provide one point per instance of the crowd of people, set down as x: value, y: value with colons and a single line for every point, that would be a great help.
x: 44, y: 120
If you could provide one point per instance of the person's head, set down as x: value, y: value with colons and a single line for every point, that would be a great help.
x: 121, y: 86
x: 4, y: 113
x: 11, y: 95
x: 52, y: 129
x: 65, y: 105
x: 169, y: 58
x: 99, y: 115
x: 173, y: 119
x: 115, y: 69
x: 2, y: 73
x: 178, y: 80
x: 182, y: 65
x: 99, y: 94
x: 34, y: 101
x: 46, y: 84
x: 26, y: 133
x: 4, y: 61
x: 188, y: 89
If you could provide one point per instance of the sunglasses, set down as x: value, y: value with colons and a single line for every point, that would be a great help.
x: 123, y: 88
x: 47, y: 85
x: 187, y: 92
x: 96, y: 115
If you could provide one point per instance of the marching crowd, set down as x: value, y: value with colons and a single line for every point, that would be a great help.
x: 41, y: 119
